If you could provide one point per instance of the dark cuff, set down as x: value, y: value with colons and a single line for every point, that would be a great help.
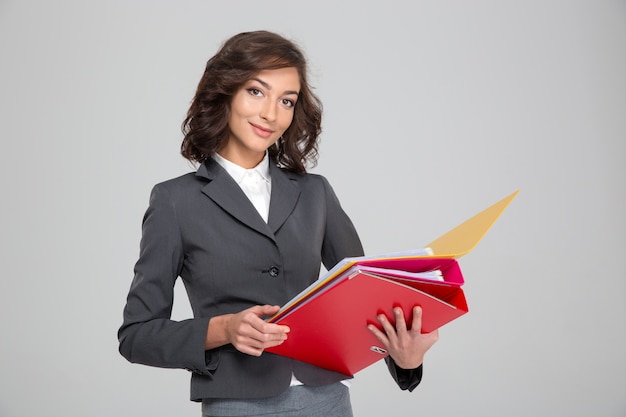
x: 407, y: 379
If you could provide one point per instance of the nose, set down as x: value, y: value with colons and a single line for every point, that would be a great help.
x: 268, y: 110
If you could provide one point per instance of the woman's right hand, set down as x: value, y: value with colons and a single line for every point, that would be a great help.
x: 246, y: 330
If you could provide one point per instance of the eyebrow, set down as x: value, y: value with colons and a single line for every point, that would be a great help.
x: 269, y: 87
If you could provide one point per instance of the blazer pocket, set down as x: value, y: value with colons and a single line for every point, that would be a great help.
x: 212, y: 360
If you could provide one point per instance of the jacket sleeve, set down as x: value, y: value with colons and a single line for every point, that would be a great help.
x: 340, y: 237
x: 407, y: 379
x: 148, y: 335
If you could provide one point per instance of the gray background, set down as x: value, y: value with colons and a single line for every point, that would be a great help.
x: 459, y: 103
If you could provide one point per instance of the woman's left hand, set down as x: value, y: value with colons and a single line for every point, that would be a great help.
x: 405, y: 346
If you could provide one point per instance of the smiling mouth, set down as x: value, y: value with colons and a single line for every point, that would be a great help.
x: 261, y: 131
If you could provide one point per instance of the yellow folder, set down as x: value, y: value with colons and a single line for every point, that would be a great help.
x: 463, y: 238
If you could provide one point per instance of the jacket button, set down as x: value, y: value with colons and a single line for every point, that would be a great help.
x: 274, y: 271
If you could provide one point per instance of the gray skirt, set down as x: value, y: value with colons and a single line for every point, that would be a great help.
x: 326, y: 401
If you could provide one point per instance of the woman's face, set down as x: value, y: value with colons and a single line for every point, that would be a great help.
x: 260, y: 113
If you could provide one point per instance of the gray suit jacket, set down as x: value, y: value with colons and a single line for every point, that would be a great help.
x: 201, y: 227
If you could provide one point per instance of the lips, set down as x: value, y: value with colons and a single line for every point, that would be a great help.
x: 261, y: 131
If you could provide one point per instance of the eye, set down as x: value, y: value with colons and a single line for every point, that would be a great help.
x: 288, y: 103
x: 255, y: 92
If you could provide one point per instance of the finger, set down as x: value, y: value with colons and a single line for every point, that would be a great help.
x: 249, y: 350
x: 387, y: 327
x: 246, y: 344
x: 255, y: 346
x: 250, y: 330
x: 416, y: 326
x: 261, y: 327
x: 270, y: 331
x: 269, y: 310
x: 382, y: 338
x: 264, y: 310
x: 262, y: 340
x: 274, y: 328
x: 400, y: 322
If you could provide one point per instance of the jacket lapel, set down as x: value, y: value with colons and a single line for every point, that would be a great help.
x: 285, y: 195
x: 227, y: 194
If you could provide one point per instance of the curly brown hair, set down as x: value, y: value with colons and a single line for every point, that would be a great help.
x: 240, y: 58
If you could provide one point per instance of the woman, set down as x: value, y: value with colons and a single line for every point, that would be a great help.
x: 246, y: 232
